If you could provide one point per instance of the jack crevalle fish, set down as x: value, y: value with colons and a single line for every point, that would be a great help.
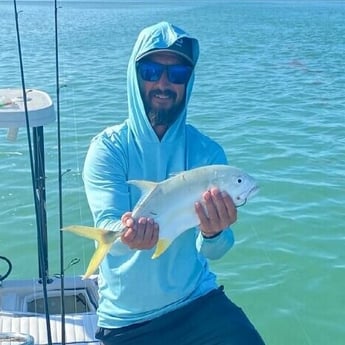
x: 171, y: 204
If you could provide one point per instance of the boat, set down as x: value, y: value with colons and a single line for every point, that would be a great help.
x: 44, y: 310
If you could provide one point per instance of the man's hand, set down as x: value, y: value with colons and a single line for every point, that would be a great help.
x: 217, y: 213
x: 141, y: 234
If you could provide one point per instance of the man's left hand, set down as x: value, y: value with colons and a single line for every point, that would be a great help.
x: 217, y: 213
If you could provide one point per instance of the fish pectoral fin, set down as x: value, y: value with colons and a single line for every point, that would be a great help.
x: 161, y: 247
x: 97, y: 258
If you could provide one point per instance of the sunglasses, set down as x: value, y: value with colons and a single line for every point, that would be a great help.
x: 152, y: 71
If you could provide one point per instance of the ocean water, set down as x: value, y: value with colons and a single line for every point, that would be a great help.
x: 269, y: 87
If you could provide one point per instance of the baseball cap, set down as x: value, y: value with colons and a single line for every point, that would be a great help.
x: 183, y: 47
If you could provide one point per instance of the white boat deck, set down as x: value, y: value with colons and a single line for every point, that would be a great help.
x: 22, y: 310
x: 22, y: 302
x: 80, y: 328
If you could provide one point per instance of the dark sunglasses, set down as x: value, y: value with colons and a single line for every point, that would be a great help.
x: 152, y: 71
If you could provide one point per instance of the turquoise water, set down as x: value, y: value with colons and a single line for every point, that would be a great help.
x: 269, y: 87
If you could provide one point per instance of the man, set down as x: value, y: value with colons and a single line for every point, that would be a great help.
x: 173, y: 299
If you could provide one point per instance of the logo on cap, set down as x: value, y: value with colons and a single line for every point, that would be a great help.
x: 179, y: 42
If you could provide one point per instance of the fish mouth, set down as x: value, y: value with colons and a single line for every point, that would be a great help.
x: 253, y: 192
x: 249, y: 195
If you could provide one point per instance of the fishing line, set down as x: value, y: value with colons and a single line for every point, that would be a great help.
x: 61, y: 175
x: 36, y: 193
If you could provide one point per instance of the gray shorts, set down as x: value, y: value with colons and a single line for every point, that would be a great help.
x: 210, y: 320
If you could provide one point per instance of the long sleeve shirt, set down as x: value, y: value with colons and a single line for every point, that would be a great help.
x: 133, y: 287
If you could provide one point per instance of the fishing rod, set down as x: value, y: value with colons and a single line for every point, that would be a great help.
x: 62, y: 270
x: 36, y: 155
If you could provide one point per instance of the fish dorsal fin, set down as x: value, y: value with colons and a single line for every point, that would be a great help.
x: 144, y: 186
x: 173, y: 174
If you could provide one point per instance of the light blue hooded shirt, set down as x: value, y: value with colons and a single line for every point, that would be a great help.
x: 133, y: 287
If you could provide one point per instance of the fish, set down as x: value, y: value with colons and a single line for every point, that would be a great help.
x: 171, y: 204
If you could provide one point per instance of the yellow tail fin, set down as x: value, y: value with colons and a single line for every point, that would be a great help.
x: 104, y: 238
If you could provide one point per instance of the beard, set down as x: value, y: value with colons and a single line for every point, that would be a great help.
x: 159, y: 116
x: 162, y: 117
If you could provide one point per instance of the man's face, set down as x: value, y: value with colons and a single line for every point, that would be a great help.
x: 163, y: 99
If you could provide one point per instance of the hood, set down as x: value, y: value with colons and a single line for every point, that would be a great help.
x: 158, y: 36
x: 148, y: 157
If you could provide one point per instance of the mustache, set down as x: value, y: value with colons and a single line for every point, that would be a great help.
x: 166, y: 93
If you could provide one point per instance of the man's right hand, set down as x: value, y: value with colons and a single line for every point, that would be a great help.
x: 140, y: 234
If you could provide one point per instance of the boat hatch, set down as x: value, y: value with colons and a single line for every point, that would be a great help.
x: 76, y: 301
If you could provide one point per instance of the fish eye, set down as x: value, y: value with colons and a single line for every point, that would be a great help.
x: 239, y: 180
